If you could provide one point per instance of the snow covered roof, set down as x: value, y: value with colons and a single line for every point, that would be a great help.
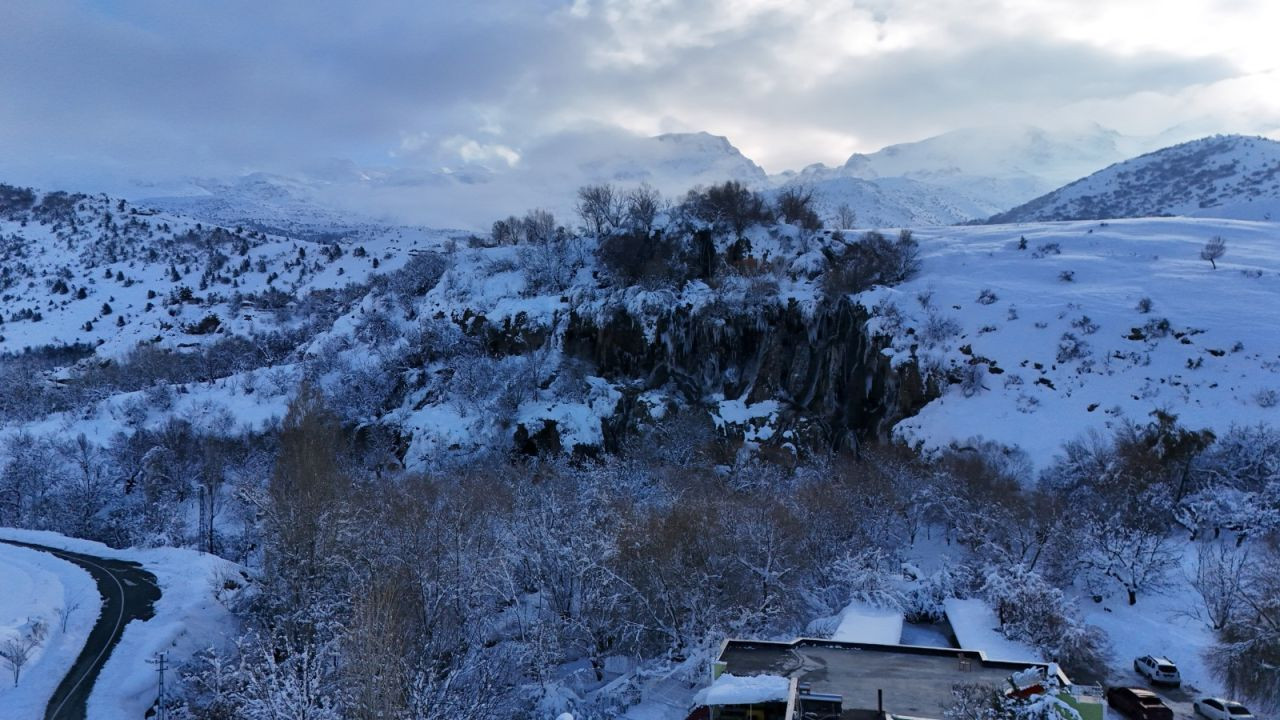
x: 735, y: 690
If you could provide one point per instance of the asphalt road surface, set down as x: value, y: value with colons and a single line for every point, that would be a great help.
x: 128, y: 593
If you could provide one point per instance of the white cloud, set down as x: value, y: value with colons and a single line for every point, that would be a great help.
x: 186, y: 87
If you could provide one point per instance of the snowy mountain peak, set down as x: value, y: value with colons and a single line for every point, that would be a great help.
x: 1227, y: 176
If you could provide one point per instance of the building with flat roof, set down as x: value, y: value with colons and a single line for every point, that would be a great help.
x: 814, y: 679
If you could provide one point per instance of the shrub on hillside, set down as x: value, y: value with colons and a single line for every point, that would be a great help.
x: 730, y: 206
x: 872, y: 260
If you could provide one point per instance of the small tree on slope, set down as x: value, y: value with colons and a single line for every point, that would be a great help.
x: 1214, y: 249
x: 17, y: 651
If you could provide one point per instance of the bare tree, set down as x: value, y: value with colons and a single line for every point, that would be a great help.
x: 538, y: 227
x: 600, y: 208
x: 1138, y: 558
x: 846, y: 217
x: 1214, y: 249
x: 642, y: 205
x: 1221, y: 577
x: 68, y: 609
x: 506, y: 232
x: 795, y: 205
x: 17, y: 651
x: 1247, y: 655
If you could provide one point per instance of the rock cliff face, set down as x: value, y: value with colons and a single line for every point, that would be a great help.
x: 832, y: 385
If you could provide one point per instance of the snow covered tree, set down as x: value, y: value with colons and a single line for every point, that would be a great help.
x: 1220, y: 579
x: 1137, y: 556
x: 1031, y: 610
x: 1247, y: 655
x: 550, y: 260
x: 975, y: 701
x: 288, y: 681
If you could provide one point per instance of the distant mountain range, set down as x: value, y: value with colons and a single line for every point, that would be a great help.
x: 957, y: 177
x: 547, y: 176
x: 1224, y: 176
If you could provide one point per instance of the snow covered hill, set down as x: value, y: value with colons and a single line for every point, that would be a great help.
x: 1046, y: 332
x: 1041, y: 331
x: 100, y: 273
x: 1226, y: 176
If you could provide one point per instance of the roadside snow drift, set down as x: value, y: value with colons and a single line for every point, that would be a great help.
x: 36, y: 586
x: 189, y: 616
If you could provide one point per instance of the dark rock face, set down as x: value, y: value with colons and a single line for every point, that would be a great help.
x: 834, y: 386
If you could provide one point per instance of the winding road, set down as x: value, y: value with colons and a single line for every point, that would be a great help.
x: 129, y: 593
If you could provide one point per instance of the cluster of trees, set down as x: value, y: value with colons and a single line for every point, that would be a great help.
x: 464, y: 595
x: 387, y: 594
x: 384, y: 596
x: 642, y: 239
x: 142, y: 489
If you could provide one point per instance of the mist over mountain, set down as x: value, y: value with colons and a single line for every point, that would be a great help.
x: 955, y: 177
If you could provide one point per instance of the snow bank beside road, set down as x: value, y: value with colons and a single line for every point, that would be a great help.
x: 189, y: 616
x: 36, y: 586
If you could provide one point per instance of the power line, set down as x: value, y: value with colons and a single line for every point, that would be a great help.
x: 159, y: 661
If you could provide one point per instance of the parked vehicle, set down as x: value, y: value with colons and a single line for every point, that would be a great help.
x: 1158, y: 670
x: 1138, y: 703
x: 1219, y: 709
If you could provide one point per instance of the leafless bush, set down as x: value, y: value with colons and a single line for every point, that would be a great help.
x: 938, y: 329
x: 795, y: 206
x: 730, y: 206
x: 872, y: 260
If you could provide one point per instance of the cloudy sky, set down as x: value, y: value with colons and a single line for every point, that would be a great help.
x: 91, y: 90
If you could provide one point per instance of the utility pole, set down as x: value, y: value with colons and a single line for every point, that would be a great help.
x: 159, y: 661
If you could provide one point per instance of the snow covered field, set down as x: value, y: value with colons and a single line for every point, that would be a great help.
x: 1061, y: 341
x: 36, y: 587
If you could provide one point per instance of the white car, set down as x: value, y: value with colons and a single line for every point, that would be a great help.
x: 1158, y: 670
x: 1219, y: 709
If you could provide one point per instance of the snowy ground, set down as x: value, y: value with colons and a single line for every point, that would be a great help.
x: 36, y: 586
x: 976, y: 628
x: 1163, y: 622
x: 859, y: 622
x: 982, y: 301
x: 190, y: 616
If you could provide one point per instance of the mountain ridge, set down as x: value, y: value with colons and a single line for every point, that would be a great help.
x: 1224, y: 176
